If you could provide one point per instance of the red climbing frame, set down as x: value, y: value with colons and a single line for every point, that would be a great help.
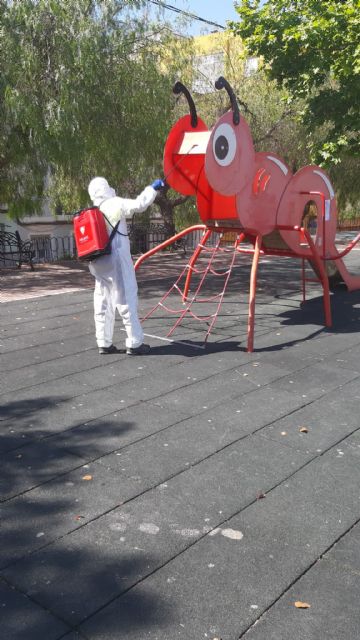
x: 254, y: 194
x: 257, y: 251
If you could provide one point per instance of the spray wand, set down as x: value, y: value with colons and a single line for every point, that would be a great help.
x: 179, y: 162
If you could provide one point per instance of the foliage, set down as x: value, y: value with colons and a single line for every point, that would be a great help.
x: 312, y: 49
x: 262, y: 102
x: 83, y: 92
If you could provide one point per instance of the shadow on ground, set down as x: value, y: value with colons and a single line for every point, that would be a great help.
x: 345, y: 312
x: 63, y: 500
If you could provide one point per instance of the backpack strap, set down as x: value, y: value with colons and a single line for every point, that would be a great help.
x: 114, y: 228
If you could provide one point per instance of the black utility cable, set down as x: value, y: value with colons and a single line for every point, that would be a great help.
x: 186, y: 13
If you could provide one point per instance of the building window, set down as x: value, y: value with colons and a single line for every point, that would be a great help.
x: 251, y: 66
x: 207, y: 68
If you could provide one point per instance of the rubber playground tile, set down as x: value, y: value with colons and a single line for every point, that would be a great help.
x: 205, y: 392
x: 261, y: 373
x: 86, y: 569
x: 81, y: 370
x: 55, y: 322
x: 212, y: 428
x: 252, y: 411
x: 115, y: 430
x: 221, y: 585
x: 289, y: 321
x: 57, y: 507
x: 23, y: 619
x: 32, y: 465
x: 328, y: 344
x: 157, y: 383
x: 345, y: 552
x: 351, y: 445
x: 46, y: 414
x: 51, y: 320
x: 183, y: 439
x: 184, y: 391
x: 332, y: 593
x: 30, y: 356
x: 318, y: 425
x: 192, y: 347
x: 288, y: 360
x: 13, y: 438
x: 200, y: 363
x: 191, y: 372
x: 275, y: 340
x: 25, y: 310
x: 186, y: 342
x: 108, y: 371
x: 348, y: 359
x: 57, y: 370
x: 58, y: 342
x: 350, y: 392
x: 224, y: 360
x: 316, y: 380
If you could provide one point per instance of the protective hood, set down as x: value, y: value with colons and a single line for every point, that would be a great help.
x: 99, y: 190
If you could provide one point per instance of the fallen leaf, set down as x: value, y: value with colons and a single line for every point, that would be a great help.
x: 302, y: 605
x: 304, y: 430
x: 88, y: 477
x: 260, y: 495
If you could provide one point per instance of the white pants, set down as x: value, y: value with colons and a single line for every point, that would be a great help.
x: 116, y: 288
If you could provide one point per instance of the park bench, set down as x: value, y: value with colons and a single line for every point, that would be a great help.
x: 14, y: 250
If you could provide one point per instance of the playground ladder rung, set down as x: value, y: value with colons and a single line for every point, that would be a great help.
x: 195, y: 299
x: 219, y: 273
x: 198, y: 272
x: 168, y: 309
x: 201, y: 318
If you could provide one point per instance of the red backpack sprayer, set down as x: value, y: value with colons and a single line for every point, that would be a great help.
x: 91, y: 235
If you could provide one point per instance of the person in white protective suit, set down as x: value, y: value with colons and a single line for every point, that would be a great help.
x: 115, y: 281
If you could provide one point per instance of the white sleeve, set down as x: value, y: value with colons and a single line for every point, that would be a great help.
x: 141, y: 203
x: 117, y: 208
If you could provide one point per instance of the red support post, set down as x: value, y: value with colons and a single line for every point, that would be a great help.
x: 252, y: 295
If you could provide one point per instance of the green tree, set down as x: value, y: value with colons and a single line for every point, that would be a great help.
x: 312, y: 49
x: 84, y: 90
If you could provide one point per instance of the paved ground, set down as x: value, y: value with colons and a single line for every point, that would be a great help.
x: 187, y: 494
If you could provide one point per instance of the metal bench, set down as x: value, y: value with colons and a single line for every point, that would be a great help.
x: 14, y: 251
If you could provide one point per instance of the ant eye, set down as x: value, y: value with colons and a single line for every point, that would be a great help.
x: 224, y: 144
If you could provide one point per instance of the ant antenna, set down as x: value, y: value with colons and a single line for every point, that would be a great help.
x: 221, y: 83
x: 179, y: 87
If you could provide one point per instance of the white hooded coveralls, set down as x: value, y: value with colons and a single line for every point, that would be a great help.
x: 115, y: 281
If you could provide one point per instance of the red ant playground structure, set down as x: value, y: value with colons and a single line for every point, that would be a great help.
x: 254, y: 195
